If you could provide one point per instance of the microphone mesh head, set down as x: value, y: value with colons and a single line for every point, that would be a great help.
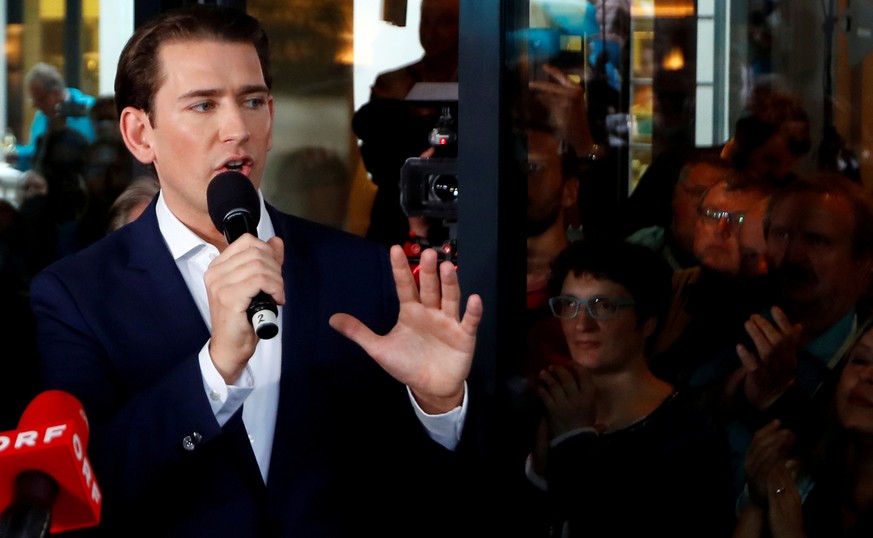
x: 231, y: 191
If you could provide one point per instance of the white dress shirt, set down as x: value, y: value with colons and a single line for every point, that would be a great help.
x: 258, y: 386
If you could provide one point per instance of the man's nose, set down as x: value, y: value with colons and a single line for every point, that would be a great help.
x: 795, y: 250
x: 233, y: 125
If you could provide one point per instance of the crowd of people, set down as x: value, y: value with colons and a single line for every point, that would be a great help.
x: 756, y: 342
x: 704, y: 367
x: 73, y: 168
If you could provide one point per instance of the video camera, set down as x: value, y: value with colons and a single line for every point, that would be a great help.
x: 429, y: 186
x: 71, y: 109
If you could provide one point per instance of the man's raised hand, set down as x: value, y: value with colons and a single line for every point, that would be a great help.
x: 430, y: 349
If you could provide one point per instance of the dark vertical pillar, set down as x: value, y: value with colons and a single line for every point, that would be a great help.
x: 491, y: 239
x: 73, y: 43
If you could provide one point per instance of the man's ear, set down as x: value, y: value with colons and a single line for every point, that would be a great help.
x: 270, y: 107
x: 136, y: 129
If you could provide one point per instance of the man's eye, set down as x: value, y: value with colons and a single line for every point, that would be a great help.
x: 817, y: 240
x: 781, y: 235
x: 861, y: 358
x: 534, y: 168
x: 255, y: 102
x: 202, y: 107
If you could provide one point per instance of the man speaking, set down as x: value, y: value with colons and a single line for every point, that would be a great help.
x: 199, y: 427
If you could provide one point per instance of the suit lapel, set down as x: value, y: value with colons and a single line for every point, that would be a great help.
x: 157, y: 280
x: 299, y: 330
x: 159, y: 283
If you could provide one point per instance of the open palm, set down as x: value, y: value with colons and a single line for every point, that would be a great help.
x: 430, y: 349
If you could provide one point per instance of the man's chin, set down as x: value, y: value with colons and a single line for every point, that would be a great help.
x: 719, y: 264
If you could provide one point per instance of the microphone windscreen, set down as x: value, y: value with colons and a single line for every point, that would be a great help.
x: 52, y: 438
x: 229, y: 192
x: 56, y: 406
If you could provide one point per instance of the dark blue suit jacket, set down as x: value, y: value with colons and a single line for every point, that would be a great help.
x: 118, y: 328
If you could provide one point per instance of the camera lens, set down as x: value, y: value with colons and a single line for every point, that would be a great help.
x: 444, y: 187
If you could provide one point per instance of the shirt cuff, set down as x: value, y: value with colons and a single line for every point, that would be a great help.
x: 224, y: 399
x: 444, y: 428
x: 573, y: 433
x: 534, y: 477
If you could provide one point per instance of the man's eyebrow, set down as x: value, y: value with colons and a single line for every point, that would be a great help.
x: 214, y: 92
x: 254, y: 88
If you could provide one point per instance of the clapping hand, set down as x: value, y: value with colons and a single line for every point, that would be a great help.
x: 568, y: 395
x: 430, y: 349
x: 770, y: 472
x: 770, y: 371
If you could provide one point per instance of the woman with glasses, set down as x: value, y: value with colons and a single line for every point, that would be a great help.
x: 620, y: 451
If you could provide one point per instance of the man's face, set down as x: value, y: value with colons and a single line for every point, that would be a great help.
x: 716, y: 243
x: 438, y: 30
x: 809, y: 249
x: 44, y: 100
x: 686, y: 197
x: 548, y: 195
x: 211, y: 113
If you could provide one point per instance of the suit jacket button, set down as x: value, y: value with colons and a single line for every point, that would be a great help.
x: 190, y: 442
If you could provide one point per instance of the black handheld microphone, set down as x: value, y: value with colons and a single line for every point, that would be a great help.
x: 235, y: 209
x: 29, y: 515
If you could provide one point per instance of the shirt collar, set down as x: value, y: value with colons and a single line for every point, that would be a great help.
x: 834, y: 343
x: 181, y: 240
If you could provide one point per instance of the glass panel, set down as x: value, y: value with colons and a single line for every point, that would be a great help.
x: 309, y: 169
x: 331, y: 59
x: 765, y: 91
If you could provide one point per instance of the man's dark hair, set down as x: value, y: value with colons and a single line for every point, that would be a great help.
x: 139, y: 68
x: 704, y: 159
x: 834, y: 184
x: 642, y: 272
x: 739, y: 181
x: 770, y: 112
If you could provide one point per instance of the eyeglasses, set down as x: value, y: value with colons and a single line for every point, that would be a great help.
x: 713, y: 215
x: 567, y: 306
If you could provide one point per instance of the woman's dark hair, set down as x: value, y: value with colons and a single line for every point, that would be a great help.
x: 642, y: 272
x: 139, y: 68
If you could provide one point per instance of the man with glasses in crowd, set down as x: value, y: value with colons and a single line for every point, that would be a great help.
x: 819, y: 233
x: 676, y: 242
x: 694, y: 328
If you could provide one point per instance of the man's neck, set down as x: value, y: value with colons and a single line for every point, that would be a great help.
x: 199, y: 224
